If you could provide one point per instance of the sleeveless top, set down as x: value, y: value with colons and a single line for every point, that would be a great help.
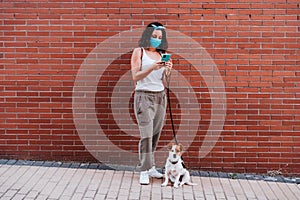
x: 154, y: 81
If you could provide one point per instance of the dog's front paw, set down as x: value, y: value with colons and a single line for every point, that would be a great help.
x: 164, y: 184
x: 176, y: 185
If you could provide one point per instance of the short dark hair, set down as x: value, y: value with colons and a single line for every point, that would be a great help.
x: 145, y: 39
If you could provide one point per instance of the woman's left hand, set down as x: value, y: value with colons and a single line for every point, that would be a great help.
x: 168, y: 67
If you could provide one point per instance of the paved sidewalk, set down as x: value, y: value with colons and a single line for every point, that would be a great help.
x: 40, y: 182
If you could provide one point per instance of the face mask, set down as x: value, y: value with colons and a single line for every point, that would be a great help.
x: 155, y: 42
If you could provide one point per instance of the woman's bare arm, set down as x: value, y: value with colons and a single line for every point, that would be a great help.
x: 137, y: 73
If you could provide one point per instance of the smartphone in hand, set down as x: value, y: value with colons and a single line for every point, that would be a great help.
x: 165, y: 57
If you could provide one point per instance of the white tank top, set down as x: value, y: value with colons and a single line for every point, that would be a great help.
x: 153, y: 82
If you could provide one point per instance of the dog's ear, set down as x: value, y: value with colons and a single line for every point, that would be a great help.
x: 170, y: 146
x: 180, y: 147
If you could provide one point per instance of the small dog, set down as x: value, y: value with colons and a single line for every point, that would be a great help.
x: 175, y: 169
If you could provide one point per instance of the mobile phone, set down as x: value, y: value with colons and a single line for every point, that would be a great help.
x: 165, y: 57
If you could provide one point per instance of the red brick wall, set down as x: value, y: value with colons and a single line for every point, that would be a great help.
x: 254, y: 44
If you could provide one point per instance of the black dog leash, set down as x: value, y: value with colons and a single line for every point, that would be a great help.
x: 170, y: 111
x: 169, y: 105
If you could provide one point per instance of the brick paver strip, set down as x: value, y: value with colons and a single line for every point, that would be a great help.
x: 44, y: 181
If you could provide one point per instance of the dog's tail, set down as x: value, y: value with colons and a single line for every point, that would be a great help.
x: 190, y: 183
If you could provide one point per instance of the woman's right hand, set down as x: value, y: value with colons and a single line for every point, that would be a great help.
x: 157, y: 65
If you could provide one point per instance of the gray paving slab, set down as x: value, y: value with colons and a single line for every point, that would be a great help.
x: 45, y: 181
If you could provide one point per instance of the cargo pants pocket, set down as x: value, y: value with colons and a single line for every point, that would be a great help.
x: 141, y: 110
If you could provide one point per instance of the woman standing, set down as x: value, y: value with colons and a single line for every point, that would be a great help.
x: 149, y: 73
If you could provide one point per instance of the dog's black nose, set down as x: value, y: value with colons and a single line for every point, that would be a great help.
x: 174, y: 155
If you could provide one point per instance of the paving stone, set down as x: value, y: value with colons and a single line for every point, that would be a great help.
x: 269, y: 178
x: 241, y: 176
x: 289, y: 180
x: 213, y: 174
x: 84, y: 166
x: 254, y: 177
x: 279, y: 179
x: 251, y: 177
x: 204, y: 174
x: 11, y: 162
x: 105, y: 167
x: 75, y: 165
x: 223, y: 175
x: 56, y: 164
x: 24, y: 162
x: 93, y: 166
x: 194, y: 173
x: 129, y: 168
x: 47, y: 164
x: 3, y: 161
x: 38, y: 163
x: 66, y: 165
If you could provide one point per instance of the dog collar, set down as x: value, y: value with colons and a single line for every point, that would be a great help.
x: 174, y: 162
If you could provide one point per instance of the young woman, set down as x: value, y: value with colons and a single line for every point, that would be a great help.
x: 149, y: 73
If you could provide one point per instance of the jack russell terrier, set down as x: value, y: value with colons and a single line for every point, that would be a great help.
x: 175, y: 169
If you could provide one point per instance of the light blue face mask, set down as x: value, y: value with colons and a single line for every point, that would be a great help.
x: 154, y: 42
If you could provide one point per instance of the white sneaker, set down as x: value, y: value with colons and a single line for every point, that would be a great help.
x: 144, y: 178
x: 154, y: 173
